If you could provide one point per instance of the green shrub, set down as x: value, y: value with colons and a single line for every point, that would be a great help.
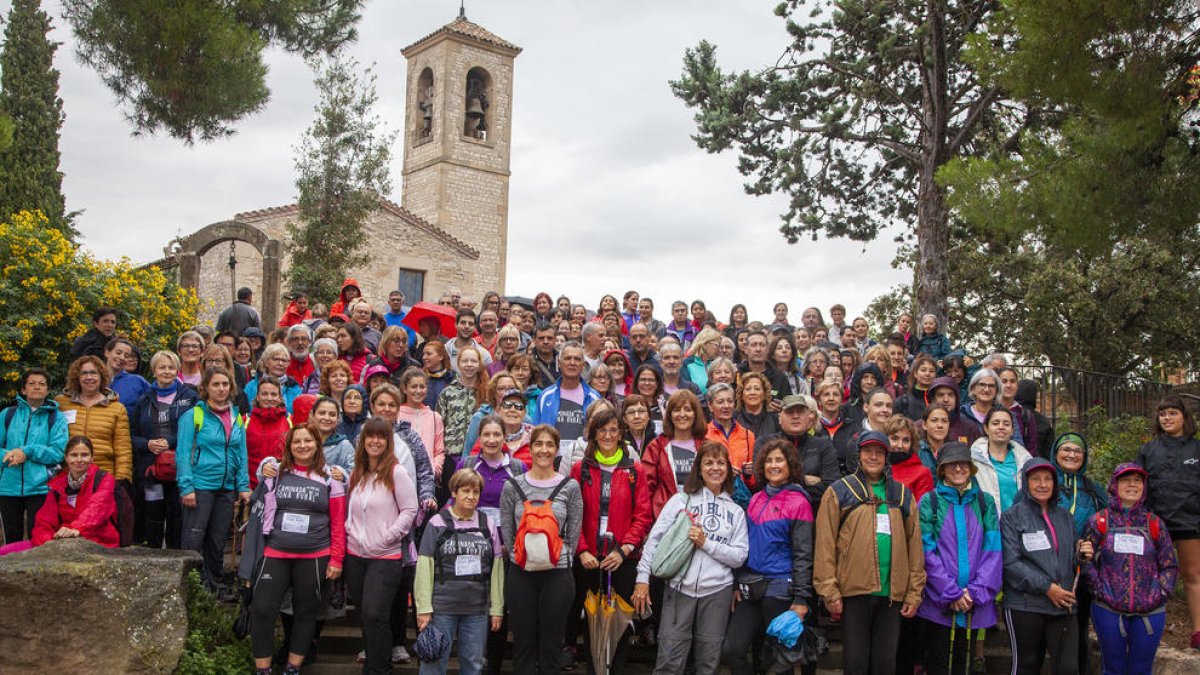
x: 211, y: 645
x: 1112, y: 440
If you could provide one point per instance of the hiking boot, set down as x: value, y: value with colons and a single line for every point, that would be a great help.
x: 362, y: 657
x: 979, y: 666
x: 568, y: 658
x: 400, y: 654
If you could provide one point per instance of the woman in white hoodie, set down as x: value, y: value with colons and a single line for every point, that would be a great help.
x: 696, y: 602
x: 999, y: 459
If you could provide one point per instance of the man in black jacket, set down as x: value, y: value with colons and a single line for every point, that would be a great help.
x: 92, y: 343
x: 817, y: 454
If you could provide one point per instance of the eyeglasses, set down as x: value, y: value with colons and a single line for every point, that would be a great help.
x: 214, y: 362
x: 189, y: 345
x: 608, y: 432
x: 1070, y: 451
x: 985, y: 385
x: 89, y: 373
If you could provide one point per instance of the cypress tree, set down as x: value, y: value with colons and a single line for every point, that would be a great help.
x: 29, y: 175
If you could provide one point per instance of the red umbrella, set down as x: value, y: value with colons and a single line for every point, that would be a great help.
x: 425, y: 310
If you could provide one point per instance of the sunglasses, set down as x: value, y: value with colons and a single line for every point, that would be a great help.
x: 512, y: 405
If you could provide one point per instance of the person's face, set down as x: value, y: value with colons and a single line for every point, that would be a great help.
x: 682, y: 417
x: 722, y: 406
x: 386, y: 407
x: 830, y: 400
x: 679, y: 313
x: 809, y: 318
x: 527, y: 322
x: 326, y: 417
x: 817, y: 364
x: 945, y: 398
x: 837, y: 315
x: 107, y: 324
x: 901, y: 441
x: 608, y: 436
x: 1000, y: 428
x: 544, y: 342
x: 698, y: 312
x: 898, y: 357
x: 491, y: 440
x: 431, y: 360
x: 396, y: 303
x: 714, y: 469
x: 466, y: 498
x: 117, y: 356
x: 984, y: 392
x: 1171, y: 421
x: 775, y: 467
x: 504, y: 311
x: 646, y: 383
x: 243, y: 353
x: 455, y: 299
x: 868, y: 382
x: 190, y: 350
x: 228, y: 343
x: 79, y: 458
x: 727, y: 348
x: 781, y: 313
x: 344, y: 341
x: 1008, y: 385
x: 833, y: 374
x: 937, y: 425
x: 414, y: 392
x: 302, y: 305
x: 574, y: 330
x: 904, y: 323
x: 512, y: 411
x: 339, y: 381
x: 164, y: 372
x: 375, y: 446
x: 304, y: 447
x: 879, y: 408
x: 742, y: 341
x: 465, y: 327
x: 631, y: 303
x: 1130, y: 487
x: 594, y: 340
x: 352, y: 402
x: 468, y: 364
x: 803, y: 339
x: 277, y: 365
x: 671, y: 361
x: 639, y: 338
x: 645, y: 309
x: 541, y: 305
x: 756, y: 348
x: 218, y: 390
x: 860, y: 328
x: 579, y: 313
x: 1070, y: 457
x: 543, y: 450
x: 957, y: 474
x: 637, y: 417
x: 848, y: 338
x: 846, y: 362
x: 268, y: 396
x: 956, y: 372
x: 753, y: 393
x: 820, y: 335
x: 362, y: 314
x: 564, y: 305
x: 739, y: 315
x: 795, y: 420
x: 783, y: 353
x: 601, y: 382
x: 616, y: 366
x: 1041, y: 485
x: 872, y: 459
x: 571, y: 362
x: 298, y: 344
x: 929, y: 325
x: 926, y: 372
x: 89, y: 379
x: 710, y: 349
x: 37, y: 388
x: 488, y: 323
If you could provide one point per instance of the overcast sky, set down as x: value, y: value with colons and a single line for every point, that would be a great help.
x: 608, y: 192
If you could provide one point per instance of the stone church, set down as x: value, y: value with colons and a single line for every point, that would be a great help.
x: 450, y: 229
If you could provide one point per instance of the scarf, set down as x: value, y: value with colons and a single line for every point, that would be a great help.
x: 609, y: 460
x: 73, y: 485
x: 164, y: 391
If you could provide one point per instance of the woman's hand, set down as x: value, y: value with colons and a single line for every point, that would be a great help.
x: 800, y: 610
x: 588, y: 561
x: 333, y: 572
x: 697, y: 537
x: 431, y: 504
x: 337, y: 474
x: 1060, y: 596
x: 189, y: 500
x: 157, y: 445
x: 270, y: 468
x: 641, y: 598
x: 497, y: 622
x: 613, y: 560
x: 14, y: 457
x: 835, y: 609
x: 423, y: 620
x: 66, y: 533
x: 1085, y: 550
x: 243, y: 498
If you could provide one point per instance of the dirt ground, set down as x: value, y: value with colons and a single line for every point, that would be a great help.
x: 1179, y: 624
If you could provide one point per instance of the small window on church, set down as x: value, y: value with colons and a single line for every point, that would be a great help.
x: 425, y: 105
x: 412, y: 284
x: 476, y: 119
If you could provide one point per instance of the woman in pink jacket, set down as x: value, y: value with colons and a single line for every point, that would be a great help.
x: 425, y: 421
x: 379, y: 518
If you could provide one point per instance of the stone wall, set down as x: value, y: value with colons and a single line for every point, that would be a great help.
x: 214, y: 291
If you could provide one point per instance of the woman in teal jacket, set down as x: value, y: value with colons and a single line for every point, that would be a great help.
x: 211, y: 471
x: 33, y: 436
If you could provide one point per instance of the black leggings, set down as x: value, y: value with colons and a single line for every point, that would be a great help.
x: 870, y: 623
x: 1033, y: 634
x: 374, y: 584
x: 18, y: 515
x: 398, y: 617
x: 538, y: 603
x: 748, y: 628
x: 163, y: 519
x: 305, y: 577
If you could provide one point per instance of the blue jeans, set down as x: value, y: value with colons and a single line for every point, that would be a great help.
x: 1132, y: 653
x: 471, y: 630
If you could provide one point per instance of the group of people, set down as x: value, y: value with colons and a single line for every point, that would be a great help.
x: 717, y: 477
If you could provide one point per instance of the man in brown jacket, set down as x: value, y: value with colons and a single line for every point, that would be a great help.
x: 869, y: 565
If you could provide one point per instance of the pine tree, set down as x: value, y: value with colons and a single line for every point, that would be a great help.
x: 341, y: 173
x: 29, y: 175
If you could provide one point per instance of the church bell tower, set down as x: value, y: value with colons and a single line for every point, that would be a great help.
x: 457, y: 139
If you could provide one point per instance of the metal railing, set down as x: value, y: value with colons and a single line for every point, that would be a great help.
x: 1066, y: 392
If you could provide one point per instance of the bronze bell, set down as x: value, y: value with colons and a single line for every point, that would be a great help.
x: 475, y: 109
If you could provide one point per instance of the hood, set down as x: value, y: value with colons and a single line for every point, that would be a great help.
x: 1114, y: 499
x: 349, y: 282
x: 268, y: 414
x: 1027, y: 391
x: 334, y: 439
x: 628, y: 365
x: 1069, y: 436
x: 301, y: 407
x: 1035, y: 464
x: 948, y: 383
x: 856, y: 381
x: 363, y: 392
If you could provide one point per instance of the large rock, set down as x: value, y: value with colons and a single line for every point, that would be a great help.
x: 1168, y: 661
x: 73, y: 606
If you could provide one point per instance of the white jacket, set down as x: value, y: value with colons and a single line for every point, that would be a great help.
x: 989, y: 482
x: 725, y: 549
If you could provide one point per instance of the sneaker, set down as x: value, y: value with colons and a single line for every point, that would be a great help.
x: 1196, y: 640
x: 362, y: 657
x: 568, y: 658
x: 979, y: 666
x: 400, y: 654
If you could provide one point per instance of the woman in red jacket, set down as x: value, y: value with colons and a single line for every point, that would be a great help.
x: 616, y: 519
x: 80, y: 502
x: 664, y: 459
x: 266, y: 427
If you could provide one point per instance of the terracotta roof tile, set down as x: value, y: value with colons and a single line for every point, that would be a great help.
x: 463, y: 28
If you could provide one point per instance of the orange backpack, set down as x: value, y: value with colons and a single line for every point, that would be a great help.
x: 539, y: 541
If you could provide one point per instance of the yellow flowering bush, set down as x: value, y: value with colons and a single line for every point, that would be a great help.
x: 49, y: 288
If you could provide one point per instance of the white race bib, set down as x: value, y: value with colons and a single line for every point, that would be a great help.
x: 658, y: 427
x: 883, y: 523
x: 1129, y: 543
x: 1035, y: 541
x: 295, y: 522
x: 70, y: 415
x: 467, y: 565
x: 154, y: 493
x: 603, y: 524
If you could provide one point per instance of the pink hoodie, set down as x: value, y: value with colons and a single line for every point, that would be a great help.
x: 376, y: 520
x: 428, y: 425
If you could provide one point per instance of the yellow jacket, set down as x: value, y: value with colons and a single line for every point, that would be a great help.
x: 107, y: 426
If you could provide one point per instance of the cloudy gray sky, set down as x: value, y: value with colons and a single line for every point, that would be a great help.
x: 608, y: 192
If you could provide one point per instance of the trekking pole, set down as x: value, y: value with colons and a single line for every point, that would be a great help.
x: 970, y: 652
x: 953, y: 626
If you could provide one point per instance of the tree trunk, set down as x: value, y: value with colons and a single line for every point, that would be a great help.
x: 933, y: 231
